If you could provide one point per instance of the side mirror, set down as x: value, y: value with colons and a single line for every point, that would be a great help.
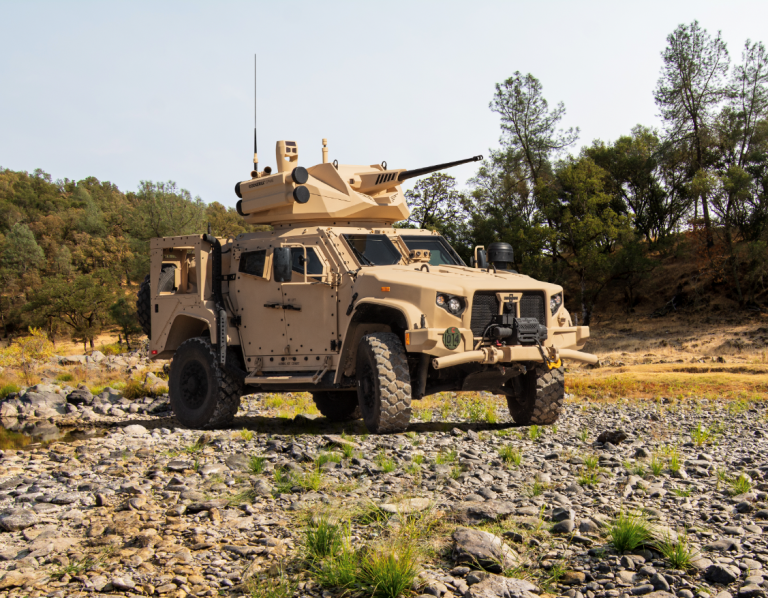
x: 281, y: 264
x: 482, y: 263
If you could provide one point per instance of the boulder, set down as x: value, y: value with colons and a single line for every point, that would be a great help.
x: 722, y: 574
x: 80, y: 396
x: 484, y: 550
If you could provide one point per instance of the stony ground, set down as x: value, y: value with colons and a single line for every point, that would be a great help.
x: 145, y: 508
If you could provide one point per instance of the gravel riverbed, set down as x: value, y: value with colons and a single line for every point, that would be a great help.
x: 147, y: 508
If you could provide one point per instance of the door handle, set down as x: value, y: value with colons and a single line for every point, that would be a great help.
x: 281, y: 306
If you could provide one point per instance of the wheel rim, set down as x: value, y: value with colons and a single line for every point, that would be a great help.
x: 194, y: 384
x: 367, y: 386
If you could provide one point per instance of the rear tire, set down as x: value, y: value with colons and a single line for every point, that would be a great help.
x: 384, y: 383
x: 537, y: 396
x: 337, y: 406
x: 203, y: 394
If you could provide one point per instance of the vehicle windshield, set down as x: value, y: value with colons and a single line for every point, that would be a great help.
x: 373, y: 250
x: 440, y: 251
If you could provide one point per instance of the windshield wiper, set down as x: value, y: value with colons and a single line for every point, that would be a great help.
x: 361, y: 256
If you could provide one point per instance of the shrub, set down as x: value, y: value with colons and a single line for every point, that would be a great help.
x: 25, y: 351
x: 246, y: 435
x: 8, y: 389
x: 67, y: 377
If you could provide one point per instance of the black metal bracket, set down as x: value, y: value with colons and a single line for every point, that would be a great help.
x: 227, y: 277
x: 352, y: 304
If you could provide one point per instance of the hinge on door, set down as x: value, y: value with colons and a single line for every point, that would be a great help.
x: 236, y: 321
x: 227, y: 277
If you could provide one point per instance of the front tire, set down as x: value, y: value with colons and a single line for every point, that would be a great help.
x: 537, y: 396
x: 203, y: 394
x: 384, y: 383
x: 337, y: 406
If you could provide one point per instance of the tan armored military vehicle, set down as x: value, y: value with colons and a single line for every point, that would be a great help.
x: 337, y: 302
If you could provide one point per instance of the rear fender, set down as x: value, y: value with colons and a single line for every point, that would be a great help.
x: 184, y: 327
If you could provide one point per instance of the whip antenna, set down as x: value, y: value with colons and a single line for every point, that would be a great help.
x: 255, y: 145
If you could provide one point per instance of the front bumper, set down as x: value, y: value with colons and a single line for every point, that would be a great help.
x: 563, y: 344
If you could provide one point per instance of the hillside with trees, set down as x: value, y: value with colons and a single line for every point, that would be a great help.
x: 598, y: 219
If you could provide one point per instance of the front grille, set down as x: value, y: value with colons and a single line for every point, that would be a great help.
x: 532, y: 306
x: 484, y: 307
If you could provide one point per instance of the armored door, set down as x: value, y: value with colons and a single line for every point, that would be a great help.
x: 262, y: 327
x: 311, y: 307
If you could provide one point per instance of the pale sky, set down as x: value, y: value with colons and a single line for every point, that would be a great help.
x: 131, y: 91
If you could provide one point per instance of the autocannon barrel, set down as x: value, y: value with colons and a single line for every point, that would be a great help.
x: 409, y: 174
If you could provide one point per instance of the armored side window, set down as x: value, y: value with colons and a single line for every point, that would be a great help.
x: 314, y: 265
x: 252, y: 262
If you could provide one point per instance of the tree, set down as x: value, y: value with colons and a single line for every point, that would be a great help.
x: 436, y: 204
x: 590, y: 234
x: 530, y: 128
x: 81, y: 304
x: 162, y: 210
x: 691, y: 87
x: 123, y: 313
x: 636, y: 166
x: 20, y: 251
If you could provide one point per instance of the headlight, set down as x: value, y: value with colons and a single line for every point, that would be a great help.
x: 555, y: 301
x: 451, y: 303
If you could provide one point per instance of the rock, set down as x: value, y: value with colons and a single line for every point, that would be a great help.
x: 563, y: 527
x: 18, y: 519
x: 490, y: 510
x: 642, y: 589
x: 722, y: 574
x: 72, y: 360
x: 659, y: 582
x: 98, y: 356
x: 336, y: 440
x: 724, y: 545
x: 562, y: 514
x: 409, y: 505
x: 613, y: 437
x: 496, y: 586
x: 81, y: 396
x: 751, y: 591
x: 123, y: 584
x: 238, y: 463
x: 476, y: 548
x: 571, y: 578
x: 135, y: 430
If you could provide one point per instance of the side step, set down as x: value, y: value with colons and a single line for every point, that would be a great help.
x: 261, y: 380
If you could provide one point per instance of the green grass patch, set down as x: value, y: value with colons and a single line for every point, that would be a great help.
x: 256, y: 464
x: 511, y: 455
x: 535, y: 433
x: 387, y: 464
x: 680, y: 555
x: 629, y: 531
x: 65, y: 377
x: 739, y: 485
